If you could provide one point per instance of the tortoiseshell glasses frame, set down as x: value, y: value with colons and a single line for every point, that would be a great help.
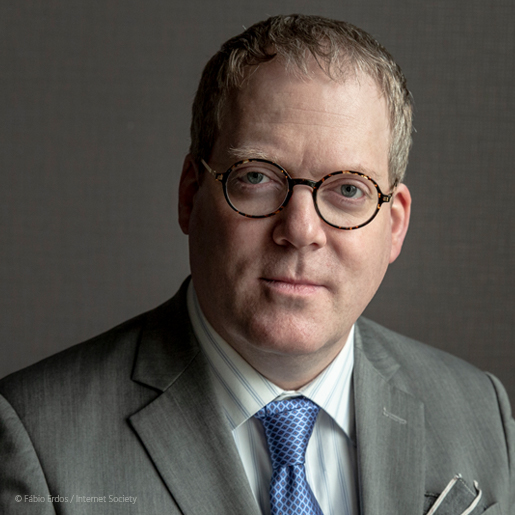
x: 291, y: 183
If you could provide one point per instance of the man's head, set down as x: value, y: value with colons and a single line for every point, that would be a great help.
x: 284, y: 290
x: 341, y: 49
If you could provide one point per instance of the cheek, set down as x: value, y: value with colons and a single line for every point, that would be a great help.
x: 363, y: 255
x: 378, y: 253
x: 222, y: 242
x: 204, y: 235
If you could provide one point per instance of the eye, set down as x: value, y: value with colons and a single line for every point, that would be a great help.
x: 255, y: 178
x: 351, y: 191
x: 256, y: 175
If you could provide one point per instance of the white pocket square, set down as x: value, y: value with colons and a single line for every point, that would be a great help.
x: 458, y: 498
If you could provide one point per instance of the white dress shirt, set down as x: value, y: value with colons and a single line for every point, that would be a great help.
x: 243, y: 391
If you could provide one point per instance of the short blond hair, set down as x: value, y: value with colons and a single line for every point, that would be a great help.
x: 337, y: 46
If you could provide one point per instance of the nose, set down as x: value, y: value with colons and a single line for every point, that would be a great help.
x: 298, y: 224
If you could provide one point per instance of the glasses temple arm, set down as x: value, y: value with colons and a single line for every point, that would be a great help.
x: 210, y: 170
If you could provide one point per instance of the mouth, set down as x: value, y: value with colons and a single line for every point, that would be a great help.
x: 295, y: 286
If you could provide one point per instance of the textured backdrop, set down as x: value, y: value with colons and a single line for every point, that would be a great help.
x: 95, y: 99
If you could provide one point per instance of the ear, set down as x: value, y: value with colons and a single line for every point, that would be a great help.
x: 400, y: 213
x: 188, y: 187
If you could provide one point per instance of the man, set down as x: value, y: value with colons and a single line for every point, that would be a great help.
x: 258, y: 388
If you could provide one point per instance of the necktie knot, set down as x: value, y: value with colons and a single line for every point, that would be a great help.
x: 288, y: 426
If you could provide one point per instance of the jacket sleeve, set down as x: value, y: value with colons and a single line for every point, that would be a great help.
x: 509, y: 432
x: 23, y: 488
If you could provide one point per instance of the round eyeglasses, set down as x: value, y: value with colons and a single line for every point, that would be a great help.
x: 257, y: 188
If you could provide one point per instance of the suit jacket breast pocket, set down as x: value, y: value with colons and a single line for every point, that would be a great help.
x: 459, y: 498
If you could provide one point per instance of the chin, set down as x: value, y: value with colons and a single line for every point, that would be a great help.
x: 288, y: 336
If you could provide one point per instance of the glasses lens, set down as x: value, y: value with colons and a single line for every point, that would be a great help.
x: 256, y: 188
x: 347, y: 200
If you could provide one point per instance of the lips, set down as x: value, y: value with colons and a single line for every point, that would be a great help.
x: 293, y: 281
x: 288, y: 285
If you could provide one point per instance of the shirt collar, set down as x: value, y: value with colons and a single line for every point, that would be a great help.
x: 243, y: 391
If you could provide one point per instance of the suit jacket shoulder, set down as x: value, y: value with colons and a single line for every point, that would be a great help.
x: 413, y: 359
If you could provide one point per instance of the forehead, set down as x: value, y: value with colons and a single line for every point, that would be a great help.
x: 306, y: 120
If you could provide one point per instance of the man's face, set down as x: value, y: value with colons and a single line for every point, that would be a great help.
x: 291, y: 285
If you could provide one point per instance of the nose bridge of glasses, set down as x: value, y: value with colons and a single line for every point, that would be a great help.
x: 304, y: 182
x: 292, y: 182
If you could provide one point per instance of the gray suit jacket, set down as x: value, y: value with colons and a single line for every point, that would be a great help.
x: 132, y: 413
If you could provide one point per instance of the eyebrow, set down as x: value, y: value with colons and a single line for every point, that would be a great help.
x: 248, y: 152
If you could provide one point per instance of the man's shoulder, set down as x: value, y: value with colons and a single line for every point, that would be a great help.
x: 70, y: 370
x: 417, y: 364
x: 106, y: 359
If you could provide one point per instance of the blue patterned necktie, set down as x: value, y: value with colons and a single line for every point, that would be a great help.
x: 288, y: 426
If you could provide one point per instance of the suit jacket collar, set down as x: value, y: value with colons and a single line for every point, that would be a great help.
x: 167, y: 344
x: 389, y: 430
x: 184, y: 430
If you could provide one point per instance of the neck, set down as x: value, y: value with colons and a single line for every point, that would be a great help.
x: 290, y: 371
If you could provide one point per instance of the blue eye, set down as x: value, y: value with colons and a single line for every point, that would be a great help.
x: 351, y: 191
x: 255, y: 177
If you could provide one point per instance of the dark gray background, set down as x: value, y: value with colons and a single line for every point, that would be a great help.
x: 95, y: 100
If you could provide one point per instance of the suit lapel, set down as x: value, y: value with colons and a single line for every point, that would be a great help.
x: 389, y: 433
x: 184, y: 430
